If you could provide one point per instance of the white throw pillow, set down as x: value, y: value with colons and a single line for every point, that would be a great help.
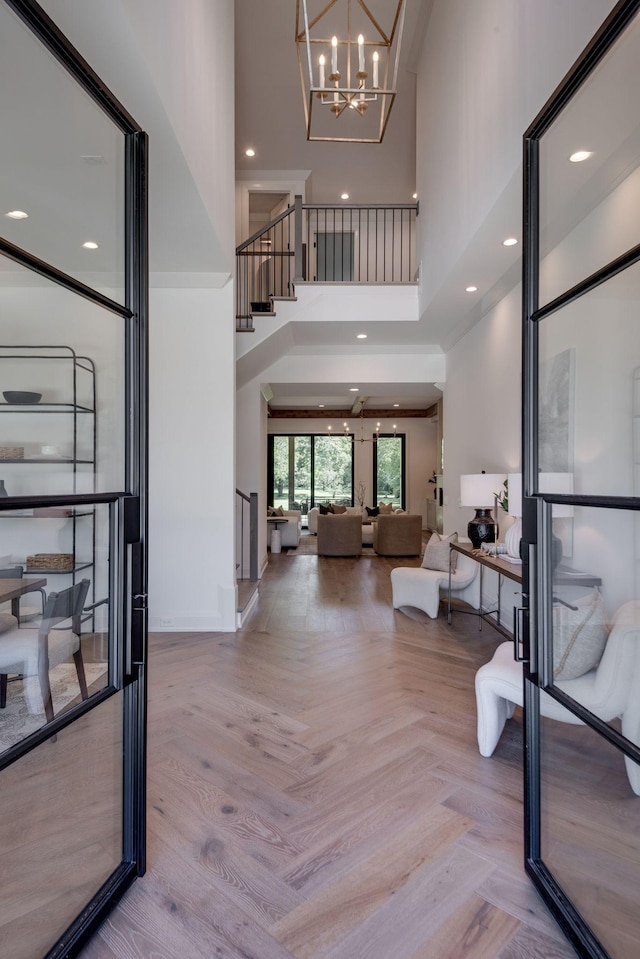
x: 579, y: 636
x: 436, y: 554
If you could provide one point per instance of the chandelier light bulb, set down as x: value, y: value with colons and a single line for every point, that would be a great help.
x: 334, y: 54
x: 321, y: 66
x: 360, y: 54
x: 376, y: 57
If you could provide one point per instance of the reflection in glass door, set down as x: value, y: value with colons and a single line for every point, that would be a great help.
x: 582, y: 482
x: 72, y: 509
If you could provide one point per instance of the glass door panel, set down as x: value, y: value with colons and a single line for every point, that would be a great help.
x: 581, y: 463
x: 589, y: 207
x: 595, y: 613
x: 61, y: 829
x: 591, y: 831
x: 63, y: 166
x: 56, y: 608
x: 388, y: 465
x: 588, y: 399
x: 72, y: 454
x: 302, y: 474
x: 333, y: 470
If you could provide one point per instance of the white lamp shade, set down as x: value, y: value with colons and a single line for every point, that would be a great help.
x: 515, y: 494
x: 479, y: 490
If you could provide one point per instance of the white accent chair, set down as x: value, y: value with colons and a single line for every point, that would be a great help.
x: 421, y: 587
x: 609, y: 691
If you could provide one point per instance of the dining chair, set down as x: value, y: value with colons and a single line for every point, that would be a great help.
x: 34, y: 652
x: 27, y: 613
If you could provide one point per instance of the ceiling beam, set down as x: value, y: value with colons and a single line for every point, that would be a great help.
x: 316, y: 414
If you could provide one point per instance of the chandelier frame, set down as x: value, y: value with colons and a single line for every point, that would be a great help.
x: 356, y: 94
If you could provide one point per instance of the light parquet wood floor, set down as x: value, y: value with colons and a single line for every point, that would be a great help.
x: 316, y: 792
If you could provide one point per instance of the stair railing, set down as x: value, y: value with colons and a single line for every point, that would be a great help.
x: 264, y: 268
x: 320, y: 242
x: 247, y: 534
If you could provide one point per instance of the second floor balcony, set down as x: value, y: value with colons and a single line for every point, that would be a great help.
x: 372, y: 244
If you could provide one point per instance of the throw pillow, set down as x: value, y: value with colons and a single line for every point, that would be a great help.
x: 579, y: 636
x: 436, y: 554
x: 324, y: 510
x: 337, y: 509
x: 385, y: 509
x: 372, y: 511
x: 278, y: 511
x: 270, y: 511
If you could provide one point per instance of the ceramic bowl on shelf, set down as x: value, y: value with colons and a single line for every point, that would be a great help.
x: 21, y: 396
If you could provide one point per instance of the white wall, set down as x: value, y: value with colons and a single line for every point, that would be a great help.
x: 191, y: 461
x: 172, y: 66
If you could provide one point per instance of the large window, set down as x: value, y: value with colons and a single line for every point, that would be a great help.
x: 305, y: 470
x: 389, y: 469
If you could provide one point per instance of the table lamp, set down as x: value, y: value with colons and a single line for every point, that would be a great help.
x: 514, y: 534
x: 478, y: 491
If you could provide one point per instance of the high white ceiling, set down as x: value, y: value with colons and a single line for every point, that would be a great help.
x: 270, y: 119
x: 270, y: 112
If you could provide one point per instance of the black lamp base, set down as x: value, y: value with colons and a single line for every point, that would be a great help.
x: 482, y: 528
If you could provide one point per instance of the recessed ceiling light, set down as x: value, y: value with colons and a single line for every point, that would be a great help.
x: 510, y: 241
x: 17, y: 215
x: 250, y: 152
x: 580, y: 155
x: 344, y: 196
x: 396, y: 404
x: 415, y: 196
x: 354, y: 389
x: 361, y: 336
x: 470, y: 289
x: 90, y: 245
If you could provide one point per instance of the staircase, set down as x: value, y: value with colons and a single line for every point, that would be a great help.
x: 321, y: 243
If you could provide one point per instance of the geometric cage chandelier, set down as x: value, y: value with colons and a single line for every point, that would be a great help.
x: 348, y: 54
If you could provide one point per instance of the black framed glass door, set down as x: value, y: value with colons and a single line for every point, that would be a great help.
x: 581, y: 474
x: 73, y: 295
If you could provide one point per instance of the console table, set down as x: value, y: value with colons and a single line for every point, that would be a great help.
x: 564, y: 576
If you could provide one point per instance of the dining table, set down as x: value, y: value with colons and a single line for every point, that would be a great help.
x: 13, y: 589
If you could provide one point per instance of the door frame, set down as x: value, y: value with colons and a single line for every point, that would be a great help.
x: 129, y: 505
x: 536, y: 540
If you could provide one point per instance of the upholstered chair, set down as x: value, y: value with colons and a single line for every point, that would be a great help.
x: 398, y: 534
x: 423, y: 588
x: 610, y: 691
x: 339, y: 535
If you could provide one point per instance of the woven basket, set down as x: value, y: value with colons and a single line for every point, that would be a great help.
x: 11, y: 452
x: 58, y: 561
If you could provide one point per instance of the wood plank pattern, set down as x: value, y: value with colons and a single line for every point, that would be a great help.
x: 316, y: 792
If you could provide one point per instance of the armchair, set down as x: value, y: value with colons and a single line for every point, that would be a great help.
x: 421, y: 587
x: 339, y: 535
x: 609, y: 691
